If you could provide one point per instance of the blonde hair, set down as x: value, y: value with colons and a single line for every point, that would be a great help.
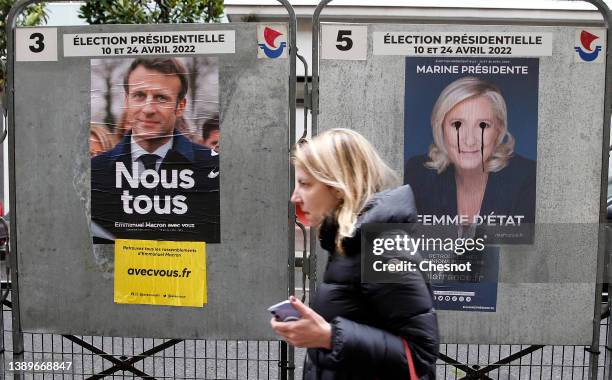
x: 344, y: 160
x: 458, y: 91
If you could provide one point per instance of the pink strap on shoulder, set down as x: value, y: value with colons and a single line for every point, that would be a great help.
x: 413, y: 374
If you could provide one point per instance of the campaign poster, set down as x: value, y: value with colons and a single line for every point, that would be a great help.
x: 470, y: 144
x: 155, y: 149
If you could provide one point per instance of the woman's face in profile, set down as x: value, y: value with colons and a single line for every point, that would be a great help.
x: 468, y: 118
x: 316, y: 199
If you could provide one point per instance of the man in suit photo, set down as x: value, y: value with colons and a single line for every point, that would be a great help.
x: 155, y: 183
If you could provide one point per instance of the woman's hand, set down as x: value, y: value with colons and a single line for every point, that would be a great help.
x: 310, y: 331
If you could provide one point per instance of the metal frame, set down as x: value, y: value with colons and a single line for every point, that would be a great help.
x: 189, y: 358
x: 287, y: 371
x: 309, y: 258
x: 286, y: 363
x: 601, y: 257
x: 601, y: 251
x: 314, y: 126
x: 308, y: 262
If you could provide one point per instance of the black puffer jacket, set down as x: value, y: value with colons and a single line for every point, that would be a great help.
x: 369, y: 318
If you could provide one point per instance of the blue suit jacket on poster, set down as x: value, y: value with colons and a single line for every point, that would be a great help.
x: 201, y: 200
x: 510, y: 191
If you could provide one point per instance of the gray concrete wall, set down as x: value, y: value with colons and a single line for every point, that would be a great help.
x: 546, y: 291
x: 66, y: 284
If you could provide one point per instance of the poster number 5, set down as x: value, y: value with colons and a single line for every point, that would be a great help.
x: 36, y: 44
x: 346, y: 42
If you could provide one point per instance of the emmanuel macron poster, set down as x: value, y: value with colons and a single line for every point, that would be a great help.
x: 154, y: 143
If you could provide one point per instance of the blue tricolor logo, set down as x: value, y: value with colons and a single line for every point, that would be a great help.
x: 586, y: 51
x: 270, y: 47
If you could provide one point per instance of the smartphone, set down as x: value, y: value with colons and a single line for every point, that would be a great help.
x: 284, y: 312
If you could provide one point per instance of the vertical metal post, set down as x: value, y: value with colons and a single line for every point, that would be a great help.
x: 9, y: 91
x: 594, y: 349
x: 283, y: 361
x: 3, y: 255
x: 307, y: 99
x: 316, y: 29
x: 2, y: 348
x: 314, y: 117
x: 606, y: 313
x: 287, y: 353
x: 308, y: 259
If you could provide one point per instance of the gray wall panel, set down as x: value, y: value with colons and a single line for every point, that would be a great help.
x: 66, y: 284
x: 546, y: 291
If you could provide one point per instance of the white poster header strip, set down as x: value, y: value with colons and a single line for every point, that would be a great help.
x: 458, y: 44
x: 36, y: 44
x: 149, y: 43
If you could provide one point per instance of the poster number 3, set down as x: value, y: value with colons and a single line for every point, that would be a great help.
x: 36, y: 44
x: 346, y: 42
x: 39, y: 42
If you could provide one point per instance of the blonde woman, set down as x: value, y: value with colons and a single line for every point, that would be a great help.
x: 471, y: 169
x: 357, y: 330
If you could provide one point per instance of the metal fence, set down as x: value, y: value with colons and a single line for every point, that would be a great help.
x: 97, y: 357
x: 501, y: 362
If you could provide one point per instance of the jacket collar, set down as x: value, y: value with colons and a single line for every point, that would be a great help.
x: 390, y: 206
x: 180, y: 145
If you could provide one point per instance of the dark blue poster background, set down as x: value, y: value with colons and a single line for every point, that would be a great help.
x: 478, y: 292
x: 519, y: 91
x: 510, y: 191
